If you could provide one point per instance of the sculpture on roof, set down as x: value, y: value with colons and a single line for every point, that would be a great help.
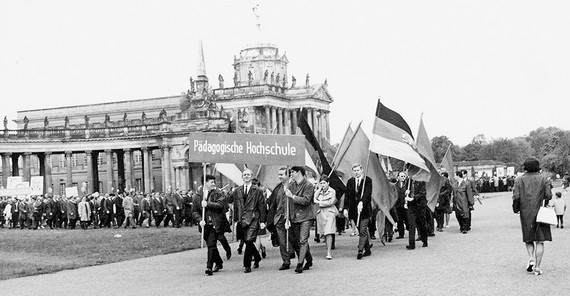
x: 125, y: 117
x: 265, y: 74
x: 272, y: 79
x: 162, y: 115
x: 26, y: 121
x: 326, y: 83
x: 293, y: 81
x: 285, y: 81
x: 249, y: 78
x: 277, y: 78
x: 46, y: 122
x: 5, y: 122
x: 307, y: 80
x: 221, y: 80
x: 86, y: 118
x: 143, y: 117
x: 66, y: 122
x: 192, y: 89
x: 235, y: 78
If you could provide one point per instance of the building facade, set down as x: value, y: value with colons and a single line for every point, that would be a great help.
x: 142, y: 144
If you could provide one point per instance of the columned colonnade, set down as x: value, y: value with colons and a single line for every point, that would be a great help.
x: 284, y: 121
x: 121, y: 176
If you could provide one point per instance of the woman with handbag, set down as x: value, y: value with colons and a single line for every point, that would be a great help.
x: 530, y: 192
x: 325, y: 199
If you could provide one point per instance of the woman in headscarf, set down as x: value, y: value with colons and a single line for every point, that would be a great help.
x: 325, y: 198
x: 530, y: 192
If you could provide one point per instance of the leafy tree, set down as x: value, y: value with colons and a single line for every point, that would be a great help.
x: 439, y: 146
x: 540, y: 138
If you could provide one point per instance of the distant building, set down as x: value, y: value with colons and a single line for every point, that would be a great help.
x: 142, y: 144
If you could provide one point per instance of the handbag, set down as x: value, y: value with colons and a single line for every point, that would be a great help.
x: 546, y: 215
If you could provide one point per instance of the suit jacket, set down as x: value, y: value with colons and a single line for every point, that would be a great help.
x: 301, y: 206
x: 418, y: 193
x: 354, y: 196
x: 171, y: 203
x: 156, y: 206
x: 249, y: 210
x: 401, y: 190
x: 215, y: 214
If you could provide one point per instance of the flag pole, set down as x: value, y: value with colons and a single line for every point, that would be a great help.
x: 287, y: 222
x: 204, y: 196
x: 335, y: 165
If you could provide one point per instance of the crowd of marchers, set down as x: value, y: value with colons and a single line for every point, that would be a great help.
x: 121, y: 209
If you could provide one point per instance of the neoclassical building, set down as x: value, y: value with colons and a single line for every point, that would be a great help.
x: 142, y: 144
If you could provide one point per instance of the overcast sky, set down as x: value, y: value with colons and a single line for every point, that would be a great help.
x: 498, y: 68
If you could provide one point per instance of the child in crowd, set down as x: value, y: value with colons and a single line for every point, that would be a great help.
x: 559, y: 208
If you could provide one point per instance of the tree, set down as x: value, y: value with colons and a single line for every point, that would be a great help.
x: 557, y: 157
x: 540, y: 137
x: 439, y: 146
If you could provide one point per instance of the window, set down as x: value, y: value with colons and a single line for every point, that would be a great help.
x: 138, y: 184
x: 62, y: 188
x: 74, y: 159
x: 61, y: 160
x: 99, y: 159
x: 137, y: 156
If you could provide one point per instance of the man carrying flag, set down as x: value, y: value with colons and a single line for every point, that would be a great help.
x: 358, y: 202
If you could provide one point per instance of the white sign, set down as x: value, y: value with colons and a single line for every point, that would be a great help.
x: 510, y: 171
x: 37, y: 185
x: 12, y: 181
x: 71, y: 191
x: 500, y: 172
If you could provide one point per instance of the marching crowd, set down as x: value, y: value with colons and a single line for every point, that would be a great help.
x: 288, y: 212
x: 97, y: 211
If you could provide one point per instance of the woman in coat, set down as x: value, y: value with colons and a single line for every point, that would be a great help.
x: 325, y: 198
x: 84, y: 211
x: 530, y: 192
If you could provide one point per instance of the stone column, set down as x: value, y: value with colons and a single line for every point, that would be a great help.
x: 110, y: 174
x: 151, y: 169
x: 273, y: 120
x: 166, y: 168
x: 185, y: 177
x: 280, y: 120
x: 68, y: 169
x: 6, y: 168
x: 146, y: 169
x: 95, y: 171
x: 47, y: 172
x: 294, y: 123
x: 316, y: 127
x: 178, y: 171
x: 27, y: 169
x: 327, y: 125
x: 310, y: 117
x: 128, y: 155
x: 287, y: 122
x: 268, y: 119
x: 90, y: 181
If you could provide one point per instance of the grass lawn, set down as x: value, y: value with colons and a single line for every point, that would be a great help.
x: 29, y: 252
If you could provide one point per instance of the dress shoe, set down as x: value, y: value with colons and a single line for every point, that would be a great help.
x: 247, y: 270
x: 299, y: 268
x: 367, y: 253
x: 228, y: 255
x: 256, y: 264
x: 418, y: 239
x: 239, y: 251
x: 263, y: 253
x: 410, y: 247
x: 284, y: 267
x: 399, y: 237
x: 390, y: 239
x: 372, y: 237
x: 424, y: 245
x: 328, y: 257
x: 218, y: 267
x: 464, y: 231
x: 359, y: 256
x: 431, y: 234
x: 209, y: 271
x: 308, y: 265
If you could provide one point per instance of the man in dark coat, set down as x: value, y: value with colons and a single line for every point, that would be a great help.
x: 300, y: 193
x: 250, y: 211
x: 401, y: 211
x: 417, y: 204
x: 463, y: 201
x: 443, y: 201
x: 358, y: 199
x: 157, y: 208
x: 50, y: 209
x: 212, y: 222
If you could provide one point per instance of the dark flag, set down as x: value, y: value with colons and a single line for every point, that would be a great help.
x: 318, y: 156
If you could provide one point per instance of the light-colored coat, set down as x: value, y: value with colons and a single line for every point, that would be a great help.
x: 84, y: 211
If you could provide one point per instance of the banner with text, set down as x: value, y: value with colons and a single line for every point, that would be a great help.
x: 246, y: 148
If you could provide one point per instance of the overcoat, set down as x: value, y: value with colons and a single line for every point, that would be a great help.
x: 531, y: 190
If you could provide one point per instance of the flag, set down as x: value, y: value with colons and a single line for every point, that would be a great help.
x: 447, y: 162
x: 268, y: 175
x: 314, y: 152
x: 383, y: 192
x: 392, y: 137
x: 434, y: 182
x: 231, y: 171
x: 342, y: 146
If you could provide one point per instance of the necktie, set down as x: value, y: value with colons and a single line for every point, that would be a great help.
x: 245, y: 190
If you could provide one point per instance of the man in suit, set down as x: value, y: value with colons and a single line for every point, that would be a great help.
x: 401, y: 211
x: 212, y: 222
x: 358, y: 199
x: 464, y: 200
x: 145, y: 211
x: 250, y: 211
x: 417, y: 204
x: 157, y: 208
x: 300, y: 193
x: 23, y: 210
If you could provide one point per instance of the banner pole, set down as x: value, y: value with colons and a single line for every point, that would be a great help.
x: 204, y: 197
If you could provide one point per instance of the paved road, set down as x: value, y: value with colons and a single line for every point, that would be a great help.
x: 490, y: 260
